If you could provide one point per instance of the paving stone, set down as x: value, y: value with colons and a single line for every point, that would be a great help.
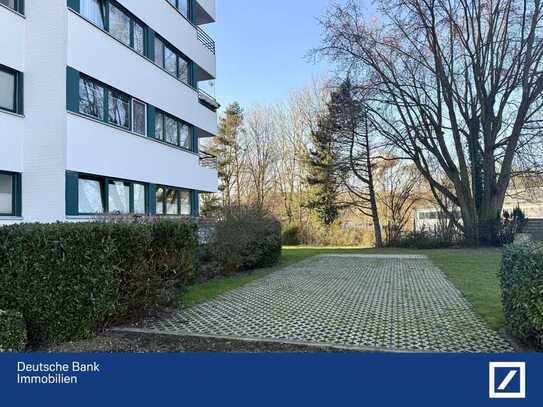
x: 397, y: 303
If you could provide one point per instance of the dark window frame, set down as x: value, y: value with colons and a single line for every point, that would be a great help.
x: 179, y: 55
x: 179, y: 123
x: 108, y: 90
x: 178, y: 191
x: 18, y: 6
x: 105, y: 8
x: 17, y: 90
x: 104, y: 192
x: 190, y: 9
x: 16, y: 195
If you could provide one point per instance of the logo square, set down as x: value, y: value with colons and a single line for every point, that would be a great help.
x: 507, y: 380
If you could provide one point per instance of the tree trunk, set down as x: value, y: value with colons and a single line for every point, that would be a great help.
x: 373, y: 200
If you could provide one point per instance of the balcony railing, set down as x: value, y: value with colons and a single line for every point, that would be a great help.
x: 208, y: 160
x: 207, y: 100
x: 205, y: 39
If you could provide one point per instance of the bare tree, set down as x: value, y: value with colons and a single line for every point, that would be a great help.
x: 457, y: 85
x: 261, y: 153
x: 398, y: 191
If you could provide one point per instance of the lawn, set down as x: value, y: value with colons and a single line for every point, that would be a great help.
x: 472, y: 271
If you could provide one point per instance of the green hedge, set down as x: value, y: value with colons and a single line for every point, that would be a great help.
x: 12, y: 332
x: 70, y: 280
x: 245, y: 239
x: 522, y: 290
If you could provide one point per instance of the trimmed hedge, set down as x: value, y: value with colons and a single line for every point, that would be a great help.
x: 245, y: 239
x: 71, y: 279
x: 12, y: 332
x: 522, y: 290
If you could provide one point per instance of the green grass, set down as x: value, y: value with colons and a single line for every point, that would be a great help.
x: 472, y: 271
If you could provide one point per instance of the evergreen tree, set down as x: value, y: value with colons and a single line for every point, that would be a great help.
x: 324, y: 173
x: 227, y: 148
x: 352, y: 132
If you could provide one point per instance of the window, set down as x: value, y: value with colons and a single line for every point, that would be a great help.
x: 139, y: 119
x: 91, y: 98
x: 90, y: 196
x: 172, y: 61
x: 108, y: 15
x: 6, y: 194
x: 183, y: 71
x: 171, y: 201
x: 93, y: 10
x: 119, y: 197
x: 119, y: 24
x: 173, y: 131
x: 99, y: 195
x: 159, y: 126
x: 182, y: 6
x: 8, y: 82
x: 119, y: 109
x: 159, y: 52
x: 139, y: 199
x: 160, y: 203
x: 8, y: 3
x: 139, y: 38
x: 184, y: 203
x: 185, y: 139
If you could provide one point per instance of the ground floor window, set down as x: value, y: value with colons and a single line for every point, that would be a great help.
x: 99, y: 195
x: 89, y: 194
x: 9, y: 194
x: 173, y: 201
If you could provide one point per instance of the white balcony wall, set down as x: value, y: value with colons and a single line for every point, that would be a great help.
x: 169, y: 24
x: 11, y: 140
x: 119, y: 66
x: 12, y: 40
x: 99, y: 149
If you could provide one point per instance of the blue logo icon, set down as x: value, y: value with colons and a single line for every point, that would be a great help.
x: 507, y: 380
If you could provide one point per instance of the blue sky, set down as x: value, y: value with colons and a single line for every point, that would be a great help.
x: 261, y: 48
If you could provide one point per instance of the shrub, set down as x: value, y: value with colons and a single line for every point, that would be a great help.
x: 422, y: 239
x: 245, y: 239
x: 291, y: 235
x: 521, y: 278
x: 12, y: 332
x: 70, y: 280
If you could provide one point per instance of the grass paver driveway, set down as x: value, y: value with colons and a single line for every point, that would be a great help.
x: 351, y: 301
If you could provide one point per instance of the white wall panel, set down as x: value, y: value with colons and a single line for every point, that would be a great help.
x: 12, y: 39
x: 96, y: 148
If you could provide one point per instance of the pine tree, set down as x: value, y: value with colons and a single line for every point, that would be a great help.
x: 324, y: 178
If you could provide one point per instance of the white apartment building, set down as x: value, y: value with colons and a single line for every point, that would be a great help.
x: 100, y: 108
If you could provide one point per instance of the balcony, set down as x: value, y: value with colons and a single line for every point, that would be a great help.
x: 205, y: 39
x: 208, y: 160
x: 207, y: 100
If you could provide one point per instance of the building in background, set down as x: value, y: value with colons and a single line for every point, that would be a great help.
x: 529, y: 200
x: 100, y: 108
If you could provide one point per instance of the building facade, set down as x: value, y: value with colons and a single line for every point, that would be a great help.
x: 101, y: 109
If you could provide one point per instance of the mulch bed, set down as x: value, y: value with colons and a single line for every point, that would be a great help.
x: 112, y: 342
